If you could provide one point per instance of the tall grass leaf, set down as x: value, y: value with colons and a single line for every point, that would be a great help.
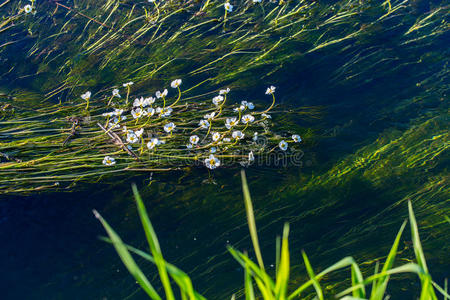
x: 182, y: 279
x: 277, y: 254
x: 313, y: 276
x: 407, y: 268
x: 443, y: 291
x: 374, y: 283
x: 263, y: 281
x: 416, y: 239
x: 249, y: 292
x: 251, y: 220
x: 345, y: 262
x: 427, y: 288
x: 380, y: 285
x: 128, y: 260
x: 153, y: 243
x: 282, y: 278
x: 357, y: 278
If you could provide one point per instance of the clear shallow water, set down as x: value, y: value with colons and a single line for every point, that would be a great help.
x: 50, y: 248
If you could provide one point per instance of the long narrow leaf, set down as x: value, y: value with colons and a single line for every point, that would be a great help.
x: 312, y: 276
x: 251, y: 220
x: 283, y: 271
x: 153, y: 243
x: 128, y: 260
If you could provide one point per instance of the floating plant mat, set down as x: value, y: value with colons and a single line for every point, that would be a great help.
x: 51, y: 146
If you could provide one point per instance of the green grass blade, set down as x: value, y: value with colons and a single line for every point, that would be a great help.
x: 277, y: 254
x: 427, y: 288
x: 282, y: 278
x: 407, y: 268
x: 379, y: 287
x: 128, y: 260
x: 312, y: 276
x: 182, y: 279
x: 251, y: 220
x: 153, y: 243
x: 264, y: 282
x: 249, y: 292
x: 416, y: 239
x: 345, y: 262
x: 357, y: 278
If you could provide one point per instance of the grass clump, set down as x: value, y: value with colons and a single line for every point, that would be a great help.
x: 260, y: 284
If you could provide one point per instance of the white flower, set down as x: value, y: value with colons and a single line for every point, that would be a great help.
x: 108, y: 114
x: 257, y: 1
x: 212, y: 162
x: 164, y: 112
x: 228, y: 7
x: 86, y: 96
x: 138, y: 102
x: 132, y: 138
x: 152, y: 1
x: 194, y: 139
x: 163, y: 94
x: 216, y: 136
x: 153, y: 143
x: 296, y: 138
x: 266, y: 116
x: 189, y: 146
x: 240, y: 108
x: 255, y: 136
x: 124, y: 118
x: 176, y: 83
x: 118, y: 112
x: 150, y: 111
x: 204, y: 124
x: 209, y: 116
x: 283, y: 145
x: 238, y: 135
x: 213, y: 150
x: 217, y: 100
x: 139, y: 132
x: 226, y: 140
x: 115, y: 93
x: 230, y: 122
x: 224, y: 92
x: 126, y: 84
x: 149, y: 101
x: 109, y: 161
x: 251, y: 157
x: 250, y: 105
x: 137, y: 113
x: 270, y: 90
x: 247, y: 119
x: 169, y: 127
x: 27, y: 8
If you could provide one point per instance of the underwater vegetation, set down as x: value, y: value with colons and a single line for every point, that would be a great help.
x: 258, y: 283
x: 65, y: 58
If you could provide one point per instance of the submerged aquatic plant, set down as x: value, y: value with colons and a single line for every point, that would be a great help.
x: 258, y: 283
x: 147, y: 134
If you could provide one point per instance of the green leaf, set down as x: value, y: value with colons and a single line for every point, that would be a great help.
x: 127, y: 259
x: 153, y: 243
x: 283, y: 271
x: 312, y: 276
x: 251, y: 220
x: 379, y: 287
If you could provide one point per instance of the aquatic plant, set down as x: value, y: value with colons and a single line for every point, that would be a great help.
x: 258, y: 283
x: 111, y: 134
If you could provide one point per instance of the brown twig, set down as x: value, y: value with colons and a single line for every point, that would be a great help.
x: 118, y: 141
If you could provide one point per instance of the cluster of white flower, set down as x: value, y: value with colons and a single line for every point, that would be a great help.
x: 224, y: 128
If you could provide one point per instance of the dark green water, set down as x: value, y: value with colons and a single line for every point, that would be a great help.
x: 382, y: 139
